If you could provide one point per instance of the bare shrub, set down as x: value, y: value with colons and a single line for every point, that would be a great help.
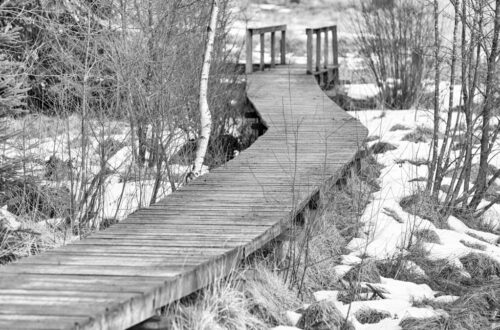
x: 393, y: 40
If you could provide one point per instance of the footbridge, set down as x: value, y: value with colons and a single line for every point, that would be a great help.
x: 120, y: 276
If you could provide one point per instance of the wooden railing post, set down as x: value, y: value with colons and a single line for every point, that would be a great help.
x: 283, y: 47
x: 328, y: 70
x: 335, y: 48
x: 318, y: 50
x: 335, y: 51
x: 262, y: 33
x: 249, y: 64
x: 309, y: 33
x: 273, y: 51
x: 262, y: 49
x: 326, y: 50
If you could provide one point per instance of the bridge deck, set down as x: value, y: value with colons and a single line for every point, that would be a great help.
x: 118, y: 277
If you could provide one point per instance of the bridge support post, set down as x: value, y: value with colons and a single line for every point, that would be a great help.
x: 335, y: 51
x: 249, y: 64
x: 273, y: 50
x: 262, y: 51
x: 283, y: 47
x: 309, y: 33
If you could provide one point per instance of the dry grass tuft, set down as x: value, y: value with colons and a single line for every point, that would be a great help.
x: 420, y: 134
x: 432, y: 323
x: 323, y: 254
x: 393, y: 214
x: 370, y: 316
x: 366, y: 271
x: 423, y: 205
x: 32, y: 239
x: 382, y: 147
x: 269, y: 297
x: 370, y: 171
x: 427, y: 236
x: 480, y: 266
x: 323, y: 315
x: 372, y: 138
x: 477, y: 308
x: 399, y: 127
x: 473, y: 245
x: 221, y: 306
x: 480, y: 238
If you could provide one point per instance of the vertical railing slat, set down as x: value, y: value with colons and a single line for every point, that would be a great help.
x: 249, y: 64
x: 335, y: 51
x: 273, y: 51
x: 283, y: 47
x: 262, y: 49
x: 318, y: 50
x: 326, y: 49
x: 309, y: 33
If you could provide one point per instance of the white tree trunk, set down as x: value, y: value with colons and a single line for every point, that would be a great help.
x: 205, y: 116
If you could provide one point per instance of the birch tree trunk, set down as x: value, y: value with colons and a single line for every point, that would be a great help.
x: 205, y: 116
x: 437, y: 79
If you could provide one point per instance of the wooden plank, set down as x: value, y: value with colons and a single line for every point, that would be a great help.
x: 268, y: 29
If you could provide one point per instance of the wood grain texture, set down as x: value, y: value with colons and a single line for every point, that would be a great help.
x: 118, y: 277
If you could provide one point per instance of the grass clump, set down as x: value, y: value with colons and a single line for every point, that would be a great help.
x: 431, y: 323
x: 365, y: 271
x: 372, y: 138
x: 324, y: 250
x: 421, y: 134
x: 475, y: 309
x: 423, y: 205
x: 480, y: 266
x: 399, y: 127
x: 370, y: 316
x: 473, y: 245
x: 323, y: 315
x: 427, y: 236
x: 221, y: 306
x: 382, y: 147
x: 480, y: 238
x: 269, y: 297
x: 369, y: 171
x: 32, y: 239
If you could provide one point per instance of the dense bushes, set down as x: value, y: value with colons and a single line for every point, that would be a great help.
x: 393, y: 38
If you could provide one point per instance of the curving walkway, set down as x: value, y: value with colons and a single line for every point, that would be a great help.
x: 119, y: 277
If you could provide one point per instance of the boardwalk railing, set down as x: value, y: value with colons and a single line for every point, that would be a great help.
x: 262, y: 33
x: 324, y: 70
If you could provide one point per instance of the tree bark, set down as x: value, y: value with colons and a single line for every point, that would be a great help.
x: 481, y: 183
x: 205, y: 115
x: 437, y: 78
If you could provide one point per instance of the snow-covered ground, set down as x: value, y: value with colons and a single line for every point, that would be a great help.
x: 389, y: 230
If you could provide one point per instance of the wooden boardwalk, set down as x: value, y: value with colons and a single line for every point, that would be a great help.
x: 118, y: 277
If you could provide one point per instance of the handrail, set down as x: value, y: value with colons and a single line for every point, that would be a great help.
x: 323, y: 68
x: 262, y: 31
